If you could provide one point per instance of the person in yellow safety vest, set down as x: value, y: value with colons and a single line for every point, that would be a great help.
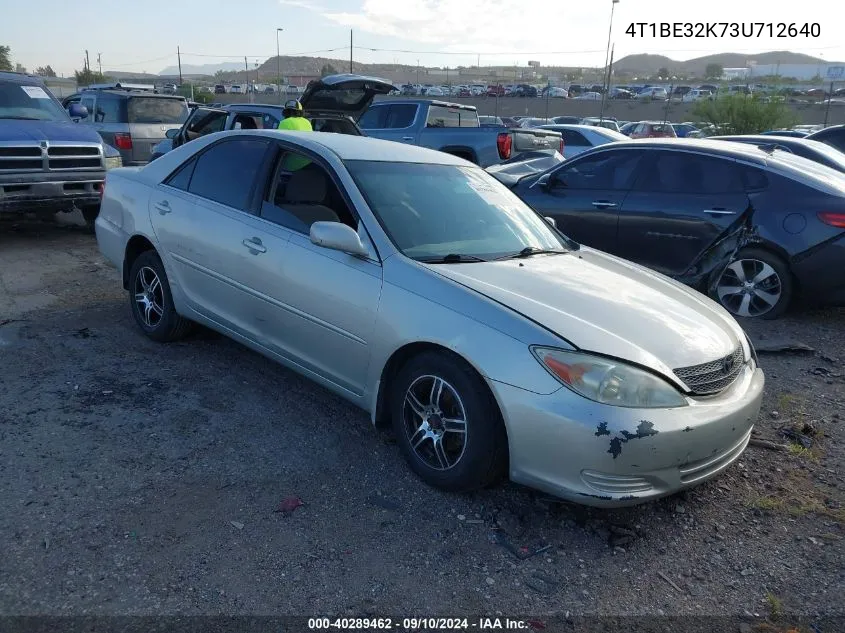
x: 293, y: 118
x: 295, y: 122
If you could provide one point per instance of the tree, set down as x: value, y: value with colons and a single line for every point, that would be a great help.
x: 5, y: 58
x: 663, y: 72
x: 327, y: 69
x: 713, y: 71
x: 87, y: 77
x: 45, y: 71
x: 740, y: 114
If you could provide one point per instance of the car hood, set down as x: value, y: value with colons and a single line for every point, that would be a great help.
x: 604, y: 304
x: 344, y: 94
x: 22, y: 130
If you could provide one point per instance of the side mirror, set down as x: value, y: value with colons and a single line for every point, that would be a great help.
x: 77, y: 111
x: 551, y: 220
x: 172, y: 133
x: 338, y: 237
x: 543, y: 182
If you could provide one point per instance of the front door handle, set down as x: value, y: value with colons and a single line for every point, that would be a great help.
x: 719, y: 211
x: 163, y: 207
x: 603, y: 204
x: 407, y: 138
x: 255, y: 245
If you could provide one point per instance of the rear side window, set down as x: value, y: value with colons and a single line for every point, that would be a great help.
x: 157, y: 110
x: 181, y: 178
x: 110, y: 111
x: 225, y: 172
x: 442, y: 116
x: 683, y: 172
x: 755, y: 179
x: 573, y: 138
x: 374, y: 118
x: 400, y: 115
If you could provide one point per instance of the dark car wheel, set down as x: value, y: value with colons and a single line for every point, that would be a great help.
x: 447, y: 423
x: 151, y: 301
x: 757, y: 284
x: 90, y: 215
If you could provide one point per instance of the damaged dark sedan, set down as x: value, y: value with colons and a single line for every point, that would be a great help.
x: 753, y: 229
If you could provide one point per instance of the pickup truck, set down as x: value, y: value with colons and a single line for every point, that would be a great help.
x: 452, y: 128
x: 47, y: 163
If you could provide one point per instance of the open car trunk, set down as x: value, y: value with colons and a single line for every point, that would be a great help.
x: 343, y: 96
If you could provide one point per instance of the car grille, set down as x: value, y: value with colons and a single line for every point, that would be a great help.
x: 73, y: 157
x: 50, y: 158
x: 712, y: 377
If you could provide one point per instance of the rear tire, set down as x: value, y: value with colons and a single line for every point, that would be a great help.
x: 151, y: 301
x: 90, y: 215
x: 447, y: 423
x: 756, y: 284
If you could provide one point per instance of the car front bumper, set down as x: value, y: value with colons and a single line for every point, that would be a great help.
x: 601, y: 455
x: 31, y: 196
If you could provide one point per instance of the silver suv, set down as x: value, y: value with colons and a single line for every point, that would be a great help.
x: 129, y: 119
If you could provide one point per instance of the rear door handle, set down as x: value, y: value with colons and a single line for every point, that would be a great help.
x: 163, y: 207
x: 719, y: 212
x: 255, y: 245
x: 603, y: 204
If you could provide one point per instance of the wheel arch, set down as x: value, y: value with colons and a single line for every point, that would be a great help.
x: 136, y: 245
x: 380, y: 410
x: 467, y: 153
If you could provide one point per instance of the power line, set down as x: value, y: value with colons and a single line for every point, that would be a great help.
x: 325, y: 50
x: 474, y: 53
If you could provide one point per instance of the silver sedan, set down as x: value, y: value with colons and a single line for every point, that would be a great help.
x: 421, y: 289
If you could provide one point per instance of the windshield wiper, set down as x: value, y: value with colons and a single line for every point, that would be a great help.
x: 451, y: 258
x: 528, y: 251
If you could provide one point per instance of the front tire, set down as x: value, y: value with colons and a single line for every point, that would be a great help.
x: 447, y: 423
x: 756, y: 284
x: 90, y: 215
x: 151, y: 301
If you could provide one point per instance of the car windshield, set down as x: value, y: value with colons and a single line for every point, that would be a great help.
x: 157, y: 110
x: 19, y: 101
x: 431, y: 211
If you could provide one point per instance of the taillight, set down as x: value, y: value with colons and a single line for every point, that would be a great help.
x: 833, y: 219
x: 504, y: 142
x: 122, y: 140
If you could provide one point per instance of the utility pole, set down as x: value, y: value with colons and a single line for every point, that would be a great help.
x: 179, y: 59
x: 248, y: 86
x: 418, y: 73
x: 827, y: 110
x: 350, y: 51
x: 87, y: 61
x: 613, y: 4
x: 607, y: 85
x: 100, y: 62
x: 279, y: 64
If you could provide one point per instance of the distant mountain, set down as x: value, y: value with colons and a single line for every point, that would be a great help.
x: 650, y: 64
x: 202, y: 69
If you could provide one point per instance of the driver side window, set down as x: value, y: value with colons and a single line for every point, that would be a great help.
x: 605, y: 170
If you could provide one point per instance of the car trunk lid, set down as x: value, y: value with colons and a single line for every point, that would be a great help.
x: 345, y: 94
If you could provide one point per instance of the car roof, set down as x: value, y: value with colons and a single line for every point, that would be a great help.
x: 351, y: 147
x: 20, y: 78
x: 739, y: 151
x: 252, y: 106
x: 127, y: 93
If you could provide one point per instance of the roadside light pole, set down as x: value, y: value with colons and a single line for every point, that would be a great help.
x: 278, y: 65
x: 613, y: 4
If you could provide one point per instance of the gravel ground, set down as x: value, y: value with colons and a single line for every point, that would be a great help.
x: 138, y: 478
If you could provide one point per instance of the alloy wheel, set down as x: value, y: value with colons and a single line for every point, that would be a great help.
x: 435, y: 422
x: 149, y: 297
x: 749, y: 288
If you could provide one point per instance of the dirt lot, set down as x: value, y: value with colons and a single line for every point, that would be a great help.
x: 137, y: 478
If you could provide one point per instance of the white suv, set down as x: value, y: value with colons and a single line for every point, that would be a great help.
x: 657, y: 94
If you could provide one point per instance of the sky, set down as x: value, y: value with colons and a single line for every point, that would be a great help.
x: 143, y: 36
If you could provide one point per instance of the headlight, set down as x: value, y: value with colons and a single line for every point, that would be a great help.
x: 113, y: 161
x: 608, y: 381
